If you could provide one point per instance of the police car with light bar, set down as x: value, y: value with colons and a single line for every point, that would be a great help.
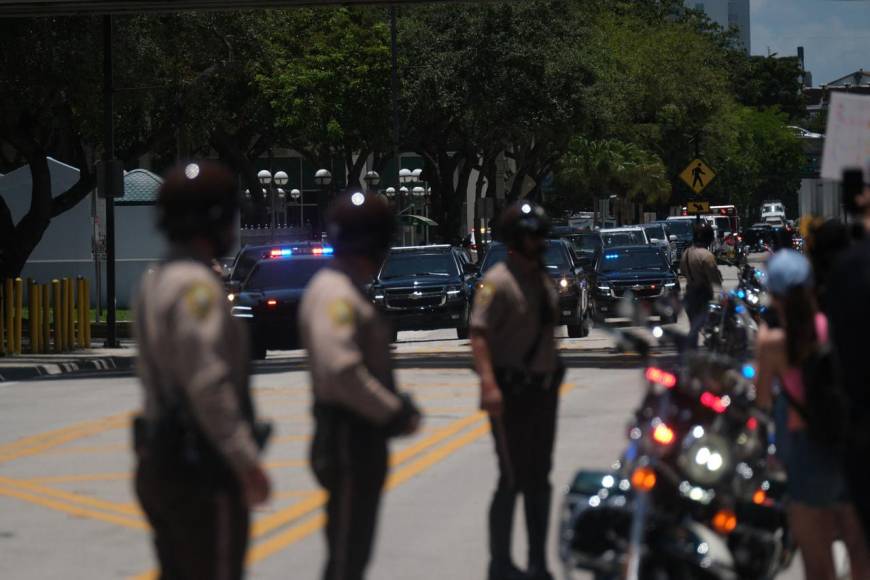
x: 268, y: 297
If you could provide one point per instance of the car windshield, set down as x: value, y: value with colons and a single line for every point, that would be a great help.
x: 656, y: 231
x: 284, y: 274
x: 244, y: 264
x: 624, y: 238
x: 401, y: 265
x: 588, y: 244
x: 680, y: 228
x: 632, y: 259
x: 555, y: 257
x: 724, y: 224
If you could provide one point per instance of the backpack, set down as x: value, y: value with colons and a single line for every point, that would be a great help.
x: 826, y: 406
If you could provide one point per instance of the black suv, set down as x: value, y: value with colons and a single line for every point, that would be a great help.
x: 587, y: 246
x: 641, y: 270
x: 268, y: 298
x: 425, y: 288
x: 569, y: 277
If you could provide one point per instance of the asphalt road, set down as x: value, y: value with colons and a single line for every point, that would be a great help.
x: 68, y: 510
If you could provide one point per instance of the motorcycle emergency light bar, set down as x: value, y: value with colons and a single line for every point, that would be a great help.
x: 660, y: 377
x: 717, y: 404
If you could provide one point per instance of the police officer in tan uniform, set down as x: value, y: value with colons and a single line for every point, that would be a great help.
x: 357, y: 406
x: 197, y: 441
x: 512, y: 337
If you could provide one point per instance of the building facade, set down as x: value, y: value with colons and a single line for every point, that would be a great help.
x: 727, y: 14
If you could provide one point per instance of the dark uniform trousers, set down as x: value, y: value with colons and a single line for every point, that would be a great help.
x: 524, y: 437
x: 200, y: 527
x: 349, y: 459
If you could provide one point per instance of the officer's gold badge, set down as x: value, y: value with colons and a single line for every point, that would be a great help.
x: 484, y: 295
x: 341, y: 312
x: 200, y: 299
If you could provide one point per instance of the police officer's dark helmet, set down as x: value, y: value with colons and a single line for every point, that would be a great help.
x: 361, y: 224
x: 198, y: 198
x: 521, y: 219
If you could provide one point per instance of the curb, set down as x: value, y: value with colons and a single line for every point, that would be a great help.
x: 23, y: 373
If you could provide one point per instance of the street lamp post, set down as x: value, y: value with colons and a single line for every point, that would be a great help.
x: 372, y: 180
x: 264, y: 176
x: 281, y: 179
x: 297, y: 197
x: 323, y: 178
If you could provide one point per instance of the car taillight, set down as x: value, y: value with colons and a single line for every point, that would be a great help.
x: 660, y: 377
x: 717, y: 404
x: 725, y: 521
x: 643, y: 478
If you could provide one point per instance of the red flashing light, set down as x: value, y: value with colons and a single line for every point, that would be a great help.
x: 717, y: 404
x: 663, y: 434
x: 752, y: 424
x: 660, y: 377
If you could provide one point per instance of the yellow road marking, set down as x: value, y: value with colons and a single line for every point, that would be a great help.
x: 291, y: 438
x: 74, y: 510
x: 37, y: 444
x: 117, y: 476
x: 87, y: 449
x: 283, y: 463
x: 82, y: 500
x: 317, y: 499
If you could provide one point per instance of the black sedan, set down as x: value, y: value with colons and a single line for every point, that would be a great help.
x: 269, y: 298
x: 569, y: 277
x: 642, y: 271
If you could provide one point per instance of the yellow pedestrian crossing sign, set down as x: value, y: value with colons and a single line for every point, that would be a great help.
x: 698, y: 175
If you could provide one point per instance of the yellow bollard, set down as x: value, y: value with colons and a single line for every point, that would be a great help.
x: 87, y: 302
x: 70, y: 315
x: 19, y: 313
x: 45, y: 316
x: 8, y: 315
x: 58, y: 316
x: 80, y: 295
x: 32, y: 317
x: 64, y: 314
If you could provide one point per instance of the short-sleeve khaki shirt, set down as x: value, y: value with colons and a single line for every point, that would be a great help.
x: 348, y: 345
x: 508, y: 310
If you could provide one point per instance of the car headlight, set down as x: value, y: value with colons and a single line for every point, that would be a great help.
x: 454, y: 292
x: 605, y: 289
x: 566, y: 286
x: 670, y: 284
x: 706, y: 457
x: 378, y: 295
x: 231, y: 297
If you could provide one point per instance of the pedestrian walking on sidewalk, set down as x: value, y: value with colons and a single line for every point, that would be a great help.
x: 197, y: 441
x: 512, y: 336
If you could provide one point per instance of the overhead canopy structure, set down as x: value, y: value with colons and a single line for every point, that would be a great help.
x: 69, y: 7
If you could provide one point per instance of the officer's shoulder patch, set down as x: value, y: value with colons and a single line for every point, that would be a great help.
x: 200, y: 298
x: 484, y: 294
x: 341, y: 312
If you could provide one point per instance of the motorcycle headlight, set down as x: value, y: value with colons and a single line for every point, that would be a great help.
x: 706, y: 457
x: 566, y: 286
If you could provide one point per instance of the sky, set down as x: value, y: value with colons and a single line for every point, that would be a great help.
x: 835, y: 34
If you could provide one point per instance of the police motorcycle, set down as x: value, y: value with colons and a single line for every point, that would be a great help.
x: 733, y: 250
x: 733, y: 319
x: 691, y: 497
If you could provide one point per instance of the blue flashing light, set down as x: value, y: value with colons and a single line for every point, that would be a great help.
x: 740, y: 309
x: 749, y: 371
x: 328, y: 250
x: 611, y: 256
x: 280, y: 253
x: 741, y: 294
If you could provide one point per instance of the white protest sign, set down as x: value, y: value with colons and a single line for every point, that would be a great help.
x: 847, y: 142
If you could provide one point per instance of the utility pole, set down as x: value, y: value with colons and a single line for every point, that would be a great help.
x: 394, y: 84
x: 108, y: 158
